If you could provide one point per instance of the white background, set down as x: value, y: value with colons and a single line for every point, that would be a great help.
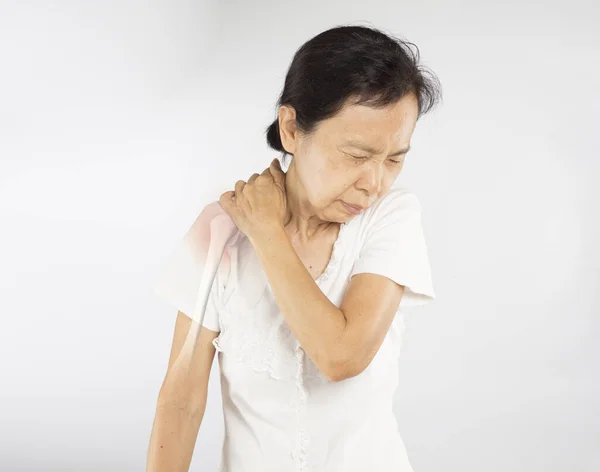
x: 120, y: 121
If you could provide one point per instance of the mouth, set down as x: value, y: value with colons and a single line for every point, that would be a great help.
x: 355, y: 210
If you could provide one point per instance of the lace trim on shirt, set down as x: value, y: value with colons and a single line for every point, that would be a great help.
x: 261, y: 345
x: 335, y: 256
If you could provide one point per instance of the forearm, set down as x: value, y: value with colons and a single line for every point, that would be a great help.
x: 173, y: 437
x: 316, y: 322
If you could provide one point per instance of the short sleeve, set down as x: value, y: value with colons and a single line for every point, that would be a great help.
x: 394, y: 246
x: 180, y: 277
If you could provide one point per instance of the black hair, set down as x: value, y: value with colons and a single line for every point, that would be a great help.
x: 352, y: 62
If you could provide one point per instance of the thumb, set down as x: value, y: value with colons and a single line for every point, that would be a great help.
x: 276, y: 165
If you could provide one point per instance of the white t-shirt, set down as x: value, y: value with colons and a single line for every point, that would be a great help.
x: 280, y: 412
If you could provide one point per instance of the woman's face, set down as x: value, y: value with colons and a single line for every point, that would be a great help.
x: 351, y: 157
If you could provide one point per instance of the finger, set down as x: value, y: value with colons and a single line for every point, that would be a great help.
x: 226, y: 199
x: 253, y: 178
x: 239, y: 187
x: 276, y: 171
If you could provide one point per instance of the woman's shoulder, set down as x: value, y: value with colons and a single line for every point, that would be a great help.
x: 397, y: 202
x: 397, y: 197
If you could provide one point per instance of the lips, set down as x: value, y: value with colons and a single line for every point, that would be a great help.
x: 352, y: 209
x: 357, y: 208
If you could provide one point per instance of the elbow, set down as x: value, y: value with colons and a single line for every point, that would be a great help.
x: 336, y: 375
x: 340, y: 374
x: 337, y: 371
x: 182, y: 396
x: 193, y: 407
x: 344, y: 358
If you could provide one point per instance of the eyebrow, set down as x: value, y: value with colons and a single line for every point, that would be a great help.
x: 368, y: 148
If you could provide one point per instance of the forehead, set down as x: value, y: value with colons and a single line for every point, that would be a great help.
x: 376, y: 125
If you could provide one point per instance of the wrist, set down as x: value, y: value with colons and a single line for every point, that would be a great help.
x: 266, y: 234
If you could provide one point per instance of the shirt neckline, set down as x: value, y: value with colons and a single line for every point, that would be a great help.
x: 333, y: 260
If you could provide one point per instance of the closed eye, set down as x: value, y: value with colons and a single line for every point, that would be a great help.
x: 362, y: 158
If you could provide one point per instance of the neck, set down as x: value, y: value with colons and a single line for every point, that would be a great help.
x: 301, y: 222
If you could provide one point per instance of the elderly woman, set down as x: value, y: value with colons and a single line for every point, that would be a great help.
x: 306, y: 317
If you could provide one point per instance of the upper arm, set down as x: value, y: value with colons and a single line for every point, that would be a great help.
x: 179, y: 283
x: 369, y: 306
x: 183, y: 385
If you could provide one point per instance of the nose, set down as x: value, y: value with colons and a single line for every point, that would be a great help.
x: 371, y: 180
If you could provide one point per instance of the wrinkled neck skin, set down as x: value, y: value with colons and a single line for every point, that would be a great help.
x: 301, y: 222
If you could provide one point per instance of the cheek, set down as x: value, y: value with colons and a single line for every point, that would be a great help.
x: 314, y: 168
x: 319, y: 182
x: 324, y: 176
x: 316, y: 187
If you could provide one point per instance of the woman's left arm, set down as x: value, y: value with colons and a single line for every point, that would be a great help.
x: 340, y: 341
